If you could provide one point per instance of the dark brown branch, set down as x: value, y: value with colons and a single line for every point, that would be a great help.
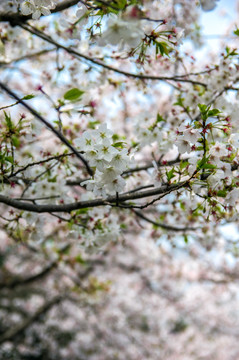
x: 78, y: 55
x: 163, y: 226
x: 48, y: 125
x: 21, y: 205
x: 23, y: 281
x: 40, y: 162
x: 13, y: 17
x: 145, y: 205
x: 139, y: 188
x: 14, y: 309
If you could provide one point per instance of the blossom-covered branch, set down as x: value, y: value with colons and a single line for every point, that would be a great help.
x: 22, y: 205
x: 78, y: 55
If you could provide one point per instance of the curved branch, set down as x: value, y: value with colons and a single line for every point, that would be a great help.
x: 23, y: 281
x: 78, y: 55
x: 40, y: 162
x: 163, y: 226
x: 22, y: 205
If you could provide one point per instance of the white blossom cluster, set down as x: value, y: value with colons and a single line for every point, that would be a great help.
x: 149, y: 132
x: 102, y: 227
x: 122, y: 31
x: 217, y: 155
x: 108, y: 160
x: 188, y: 137
x: 218, y: 152
x: 225, y: 73
x: 37, y: 7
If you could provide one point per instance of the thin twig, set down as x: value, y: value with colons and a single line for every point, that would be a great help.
x: 163, y: 226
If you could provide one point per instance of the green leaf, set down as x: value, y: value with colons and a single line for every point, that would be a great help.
x: 53, y: 179
x: 119, y: 144
x: 170, y: 174
x: 2, y: 158
x: 202, y: 162
x: 206, y: 112
x: 117, y: 5
x: 183, y: 165
x: 121, y: 4
x: 222, y: 193
x: 162, y: 47
x: 115, y: 137
x: 213, y: 112
x: 15, y: 141
x: 82, y: 211
x: 28, y: 97
x: 208, y: 166
x: 236, y: 32
x: 8, y: 121
x: 79, y: 259
x: 73, y: 94
x: 159, y: 118
x: 203, y: 108
x: 92, y: 124
x: 60, y: 102
x: 185, y: 238
x: 230, y: 52
x: 182, y: 206
x: 9, y: 159
x: 179, y: 102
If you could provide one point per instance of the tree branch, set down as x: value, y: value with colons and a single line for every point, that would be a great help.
x: 40, y: 162
x: 21, y: 205
x: 23, y: 281
x: 163, y: 226
x: 78, y: 55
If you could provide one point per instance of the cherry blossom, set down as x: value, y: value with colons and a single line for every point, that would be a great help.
x: 119, y: 30
x: 119, y: 181
x: 37, y: 7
